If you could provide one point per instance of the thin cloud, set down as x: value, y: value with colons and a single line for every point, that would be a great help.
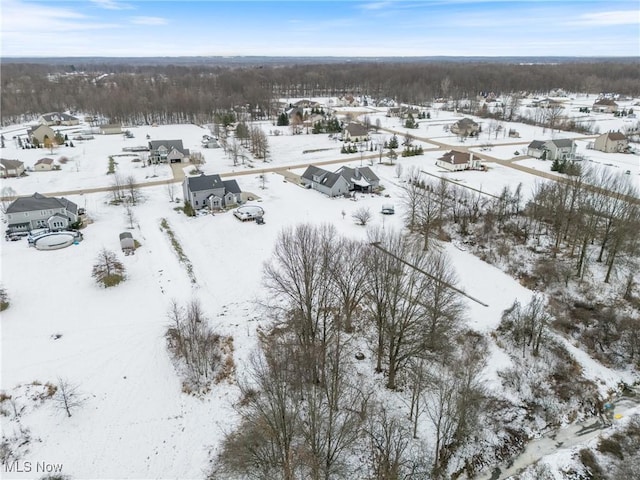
x: 149, y: 21
x: 375, y: 5
x: 112, y: 5
x: 616, y: 17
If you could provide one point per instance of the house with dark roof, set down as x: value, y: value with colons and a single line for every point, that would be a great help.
x: 465, y: 127
x: 167, y: 151
x: 611, y: 142
x: 11, y: 168
x: 37, y: 211
x: 361, y: 179
x: 604, y: 105
x: 456, y: 161
x: 43, y: 165
x: 57, y: 118
x: 559, y: 149
x: 210, y: 191
x: 343, y: 180
x: 536, y: 149
x: 329, y: 183
x: 354, y: 132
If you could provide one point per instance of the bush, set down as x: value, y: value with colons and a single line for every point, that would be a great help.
x: 4, y: 299
x: 188, y: 209
x: 609, y: 446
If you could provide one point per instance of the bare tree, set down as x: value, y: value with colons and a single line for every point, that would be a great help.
x: 362, y: 215
x: 349, y: 279
x: 266, y: 444
x: 134, y: 195
x: 197, y: 160
x: 298, y: 275
x: 398, y: 170
x: 108, y: 270
x: 171, y: 191
x: 552, y: 114
x: 391, y: 457
x: 8, y: 196
x: 131, y: 218
x: 118, y: 188
x: 455, y: 400
x: 528, y: 325
x: 194, y: 343
x: 67, y: 396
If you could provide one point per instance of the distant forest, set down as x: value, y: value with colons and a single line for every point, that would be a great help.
x: 185, y: 92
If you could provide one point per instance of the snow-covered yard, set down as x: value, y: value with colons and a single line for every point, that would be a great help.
x: 135, y: 421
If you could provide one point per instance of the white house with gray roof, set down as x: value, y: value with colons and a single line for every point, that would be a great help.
x: 361, y: 179
x: 57, y: 118
x: 343, y: 180
x: 559, y: 149
x: 11, y: 168
x: 329, y: 183
x: 37, y: 211
x: 210, y: 191
x: 167, y: 151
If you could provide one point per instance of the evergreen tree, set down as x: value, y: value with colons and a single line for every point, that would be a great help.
x: 283, y: 120
x: 393, y: 143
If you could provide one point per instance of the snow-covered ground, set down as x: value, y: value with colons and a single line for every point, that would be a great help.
x: 135, y: 421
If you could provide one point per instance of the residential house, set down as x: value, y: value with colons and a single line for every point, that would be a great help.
x: 456, y: 161
x: 111, y: 129
x: 347, y: 101
x: 40, y: 133
x: 360, y: 179
x: 11, y: 168
x: 43, y: 165
x: 604, y: 105
x: 536, y: 149
x: 210, y: 191
x: 611, y: 142
x: 559, y: 149
x: 167, y: 151
x: 354, y: 132
x: 57, y: 118
x: 465, y: 127
x: 37, y: 211
x: 329, y: 183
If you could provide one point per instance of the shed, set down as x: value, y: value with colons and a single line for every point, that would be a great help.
x: 126, y: 242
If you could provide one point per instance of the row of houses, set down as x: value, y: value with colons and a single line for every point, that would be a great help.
x: 15, y: 168
x: 565, y: 148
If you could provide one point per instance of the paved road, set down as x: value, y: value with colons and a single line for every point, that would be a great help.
x: 179, y: 168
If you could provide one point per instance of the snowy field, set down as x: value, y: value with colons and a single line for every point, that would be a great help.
x: 135, y: 421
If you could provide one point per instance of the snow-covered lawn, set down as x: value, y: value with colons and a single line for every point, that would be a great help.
x: 135, y: 421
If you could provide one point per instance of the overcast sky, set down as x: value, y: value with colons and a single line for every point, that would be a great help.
x: 142, y: 28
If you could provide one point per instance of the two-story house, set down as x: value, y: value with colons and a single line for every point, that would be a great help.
x: 37, y: 211
x: 559, y: 149
x: 210, y: 191
x: 167, y: 151
x: 611, y: 142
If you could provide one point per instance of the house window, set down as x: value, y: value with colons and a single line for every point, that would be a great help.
x: 196, y: 202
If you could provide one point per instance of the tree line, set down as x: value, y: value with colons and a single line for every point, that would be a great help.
x: 131, y: 93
